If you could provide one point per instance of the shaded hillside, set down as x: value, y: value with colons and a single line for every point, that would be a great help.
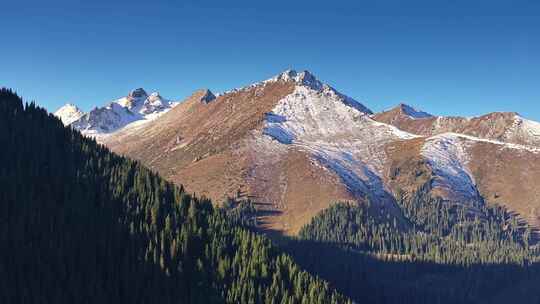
x: 446, y: 256
x: 79, y: 224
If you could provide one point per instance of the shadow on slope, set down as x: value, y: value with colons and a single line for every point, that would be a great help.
x: 376, y: 279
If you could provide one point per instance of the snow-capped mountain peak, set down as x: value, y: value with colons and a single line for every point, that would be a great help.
x: 308, y: 81
x: 137, y: 106
x: 303, y: 78
x: 134, y: 100
x: 139, y: 102
x: 68, y: 113
x: 154, y: 103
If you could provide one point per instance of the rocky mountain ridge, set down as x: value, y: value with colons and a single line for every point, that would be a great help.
x: 136, y: 107
x: 294, y: 145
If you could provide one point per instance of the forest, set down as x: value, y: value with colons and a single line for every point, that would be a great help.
x: 79, y: 224
x: 443, y: 253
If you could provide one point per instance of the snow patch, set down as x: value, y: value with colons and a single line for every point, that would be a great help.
x: 338, y: 135
x: 503, y: 145
x: 311, y: 115
x: 448, y: 157
x: 447, y: 154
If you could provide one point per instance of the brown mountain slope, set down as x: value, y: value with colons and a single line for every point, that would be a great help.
x: 502, y: 126
x: 505, y: 174
x: 295, y: 145
x: 508, y: 177
x: 201, y: 144
x: 502, y: 175
x: 217, y: 149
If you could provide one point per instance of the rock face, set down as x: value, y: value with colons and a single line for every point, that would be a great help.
x: 294, y: 145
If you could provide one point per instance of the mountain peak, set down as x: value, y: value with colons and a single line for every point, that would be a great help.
x: 68, y: 113
x: 308, y: 80
x: 135, y: 99
x: 138, y: 93
x: 68, y: 105
x: 154, y: 96
x: 207, y: 96
x: 412, y: 112
x: 304, y: 78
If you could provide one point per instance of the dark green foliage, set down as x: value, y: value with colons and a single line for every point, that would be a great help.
x: 437, y: 233
x: 446, y: 254
x: 241, y: 212
x: 79, y: 224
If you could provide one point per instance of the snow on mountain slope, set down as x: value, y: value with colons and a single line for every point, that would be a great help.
x: 447, y: 154
x: 307, y: 80
x: 68, y: 113
x: 137, y: 106
x: 501, y: 144
x: 134, y: 101
x: 336, y: 130
x: 138, y: 101
x: 524, y: 130
x: 105, y: 119
x: 499, y: 126
x: 531, y: 127
x: 294, y: 145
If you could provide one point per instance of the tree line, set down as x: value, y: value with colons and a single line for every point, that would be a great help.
x: 441, y: 253
x: 79, y: 224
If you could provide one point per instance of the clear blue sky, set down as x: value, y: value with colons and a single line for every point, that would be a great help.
x: 445, y: 57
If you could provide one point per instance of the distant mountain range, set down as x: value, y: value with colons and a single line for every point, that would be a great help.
x: 137, y: 106
x: 293, y: 145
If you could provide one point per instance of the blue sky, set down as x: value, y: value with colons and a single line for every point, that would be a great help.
x: 445, y: 57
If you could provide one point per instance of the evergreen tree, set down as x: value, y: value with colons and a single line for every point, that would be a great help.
x: 79, y: 224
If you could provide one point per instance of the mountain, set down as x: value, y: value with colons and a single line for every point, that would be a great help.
x: 293, y: 144
x: 494, y: 157
x: 137, y: 106
x: 442, y: 217
x: 68, y: 113
x: 507, y: 127
x: 402, y: 112
x: 80, y: 224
